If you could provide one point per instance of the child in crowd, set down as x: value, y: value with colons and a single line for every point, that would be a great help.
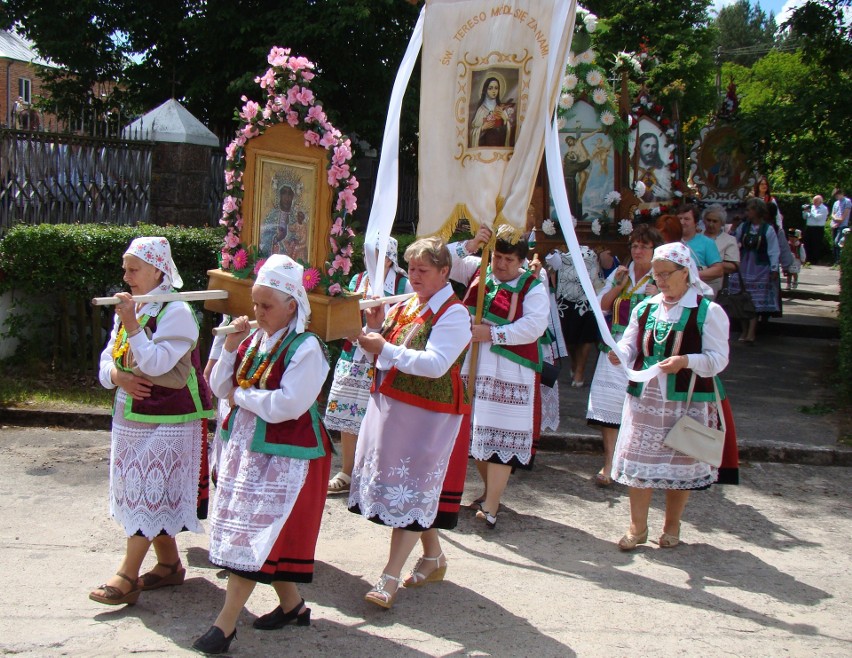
x: 797, y: 247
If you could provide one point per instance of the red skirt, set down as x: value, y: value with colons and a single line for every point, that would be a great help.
x: 451, y: 492
x: 292, y: 556
x: 729, y: 470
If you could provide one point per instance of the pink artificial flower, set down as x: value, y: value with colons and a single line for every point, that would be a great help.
x: 258, y: 265
x: 292, y: 118
x: 239, y: 223
x: 305, y: 96
x: 337, y: 227
x: 229, y: 204
x: 307, y: 76
x: 311, y: 138
x: 297, y: 63
x: 249, y: 131
x: 342, y: 153
x: 316, y: 114
x: 342, y: 263
x: 224, y: 221
x: 278, y: 56
x: 267, y: 81
x: 231, y: 240
x: 240, y: 259
x: 334, y: 289
x: 333, y: 244
x: 350, y: 232
x: 311, y: 278
x: 328, y: 140
x: 347, y: 199
x: 267, y: 112
x: 292, y: 94
x: 231, y: 150
x: 229, y: 177
x: 250, y: 110
x: 241, y: 140
x: 347, y: 250
x: 226, y: 259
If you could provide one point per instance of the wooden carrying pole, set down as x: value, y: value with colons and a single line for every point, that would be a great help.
x: 362, y: 303
x: 189, y: 296
x: 477, y: 318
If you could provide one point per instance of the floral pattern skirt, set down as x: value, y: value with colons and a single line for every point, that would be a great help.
x: 350, y: 393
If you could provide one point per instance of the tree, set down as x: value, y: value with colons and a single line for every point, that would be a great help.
x: 206, y: 53
x: 679, y: 34
x: 798, y: 122
x: 744, y: 32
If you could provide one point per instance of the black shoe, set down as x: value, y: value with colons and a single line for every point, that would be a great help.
x: 214, y: 641
x: 278, y: 618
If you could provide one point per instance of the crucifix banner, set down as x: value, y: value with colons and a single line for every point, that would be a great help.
x: 490, y: 79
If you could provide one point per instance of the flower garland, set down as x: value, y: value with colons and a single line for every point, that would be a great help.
x: 585, y: 79
x: 290, y: 100
x: 645, y: 214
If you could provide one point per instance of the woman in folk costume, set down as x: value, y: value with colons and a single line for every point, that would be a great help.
x: 506, y: 409
x: 274, y: 468
x: 683, y: 332
x: 158, y: 425
x: 406, y: 443
x: 625, y: 287
x: 353, y: 375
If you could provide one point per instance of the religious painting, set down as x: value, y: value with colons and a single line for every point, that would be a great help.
x: 720, y: 167
x: 493, y: 108
x: 588, y: 162
x: 285, y: 206
x: 650, y: 155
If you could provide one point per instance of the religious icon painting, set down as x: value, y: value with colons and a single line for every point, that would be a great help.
x: 285, y: 206
x: 649, y: 161
x: 493, y: 107
x: 720, y: 167
x: 588, y: 162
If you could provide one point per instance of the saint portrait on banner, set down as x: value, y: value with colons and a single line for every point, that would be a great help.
x: 493, y: 116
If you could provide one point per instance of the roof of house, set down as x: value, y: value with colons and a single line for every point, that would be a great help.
x: 172, y: 122
x: 13, y: 46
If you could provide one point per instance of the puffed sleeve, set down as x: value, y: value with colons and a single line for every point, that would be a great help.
x: 107, y: 362
x: 627, y: 344
x: 446, y: 341
x: 714, y: 344
x: 176, y: 333
x: 464, y: 265
x: 531, y: 325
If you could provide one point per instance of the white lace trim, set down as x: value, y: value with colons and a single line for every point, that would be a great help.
x: 154, y: 472
x: 254, y: 497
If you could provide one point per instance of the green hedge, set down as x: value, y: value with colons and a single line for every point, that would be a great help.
x: 85, y: 259
x: 845, y: 356
x: 58, y: 268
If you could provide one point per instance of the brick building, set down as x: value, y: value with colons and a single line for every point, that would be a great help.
x: 18, y: 79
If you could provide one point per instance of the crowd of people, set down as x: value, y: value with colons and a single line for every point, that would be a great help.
x: 448, y: 375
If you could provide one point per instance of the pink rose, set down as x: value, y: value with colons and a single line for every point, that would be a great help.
x: 347, y: 199
x: 231, y: 150
x: 342, y: 153
x: 334, y: 289
x: 232, y: 240
x: 229, y: 205
x: 292, y: 118
x: 248, y: 131
x: 226, y: 259
x: 328, y: 140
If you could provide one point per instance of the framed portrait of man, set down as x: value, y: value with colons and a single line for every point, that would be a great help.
x: 588, y: 162
x: 287, y: 201
x: 650, y: 155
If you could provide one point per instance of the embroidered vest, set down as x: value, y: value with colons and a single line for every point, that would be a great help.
x: 503, y: 304
x: 347, y: 350
x: 755, y: 242
x: 623, y: 307
x: 684, y: 337
x: 300, y: 437
x: 445, y: 394
x: 172, y: 405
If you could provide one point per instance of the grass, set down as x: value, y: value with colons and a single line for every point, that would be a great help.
x: 818, y: 409
x: 52, y: 392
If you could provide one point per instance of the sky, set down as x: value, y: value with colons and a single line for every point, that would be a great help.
x: 778, y: 6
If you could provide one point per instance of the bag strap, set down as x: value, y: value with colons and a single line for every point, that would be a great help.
x: 719, y: 411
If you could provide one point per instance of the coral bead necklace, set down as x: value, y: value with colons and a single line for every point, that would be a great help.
x: 249, y: 362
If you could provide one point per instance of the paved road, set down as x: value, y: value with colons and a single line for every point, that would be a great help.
x: 764, y: 571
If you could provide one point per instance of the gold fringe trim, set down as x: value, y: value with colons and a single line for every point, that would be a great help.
x: 461, y: 213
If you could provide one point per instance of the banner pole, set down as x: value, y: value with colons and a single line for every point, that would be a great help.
x: 477, y: 318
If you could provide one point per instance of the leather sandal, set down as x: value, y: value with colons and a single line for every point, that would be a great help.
x: 669, y: 541
x: 379, y: 595
x: 112, y: 595
x: 276, y: 619
x: 339, y: 484
x: 151, y: 580
x: 417, y: 579
x: 631, y: 541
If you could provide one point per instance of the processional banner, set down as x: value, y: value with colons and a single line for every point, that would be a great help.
x: 490, y: 77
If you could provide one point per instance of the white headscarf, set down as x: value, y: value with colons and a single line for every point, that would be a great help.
x: 281, y: 272
x: 679, y: 254
x: 393, y: 254
x: 156, y: 251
